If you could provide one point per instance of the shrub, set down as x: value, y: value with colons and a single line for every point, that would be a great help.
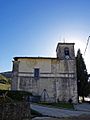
x: 15, y: 95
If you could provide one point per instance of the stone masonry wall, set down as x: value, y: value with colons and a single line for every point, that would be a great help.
x: 15, y: 111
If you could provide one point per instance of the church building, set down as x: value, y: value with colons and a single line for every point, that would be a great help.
x: 53, y: 79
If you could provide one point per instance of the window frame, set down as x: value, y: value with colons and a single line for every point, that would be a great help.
x: 36, y: 73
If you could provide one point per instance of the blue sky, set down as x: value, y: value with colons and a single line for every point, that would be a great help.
x: 34, y: 27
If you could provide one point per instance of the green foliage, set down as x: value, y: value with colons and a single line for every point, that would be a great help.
x: 34, y: 113
x: 15, y: 95
x: 89, y: 86
x: 6, y: 80
x: 5, y: 83
x: 82, y: 75
x: 5, y: 86
x: 58, y: 105
x: 2, y: 77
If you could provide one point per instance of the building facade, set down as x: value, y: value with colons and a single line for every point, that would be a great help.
x: 54, y: 79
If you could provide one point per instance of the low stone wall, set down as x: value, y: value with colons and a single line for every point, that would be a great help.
x: 15, y: 111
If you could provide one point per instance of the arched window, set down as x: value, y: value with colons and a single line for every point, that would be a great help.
x: 66, y: 52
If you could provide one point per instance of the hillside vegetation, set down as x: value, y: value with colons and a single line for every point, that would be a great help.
x: 5, y: 83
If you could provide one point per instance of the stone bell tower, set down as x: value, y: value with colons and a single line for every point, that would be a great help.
x: 66, y: 57
x: 65, y: 51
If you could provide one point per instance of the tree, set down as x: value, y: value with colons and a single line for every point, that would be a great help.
x: 82, y: 75
x: 89, y: 83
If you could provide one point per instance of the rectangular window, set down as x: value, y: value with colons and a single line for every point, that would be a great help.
x: 36, y: 73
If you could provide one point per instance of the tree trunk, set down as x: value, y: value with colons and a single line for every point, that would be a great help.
x: 82, y: 98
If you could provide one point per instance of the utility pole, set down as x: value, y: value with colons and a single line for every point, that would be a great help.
x: 87, y: 44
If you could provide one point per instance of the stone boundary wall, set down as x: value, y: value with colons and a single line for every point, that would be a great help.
x: 15, y: 111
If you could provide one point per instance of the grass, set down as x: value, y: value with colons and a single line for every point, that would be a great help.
x: 58, y: 105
